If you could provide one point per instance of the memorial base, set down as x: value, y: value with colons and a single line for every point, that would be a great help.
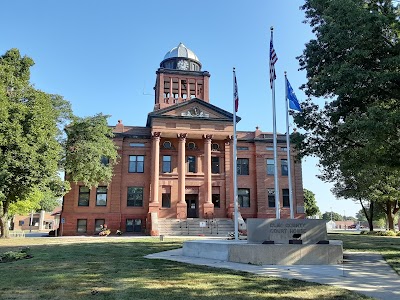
x: 266, y: 254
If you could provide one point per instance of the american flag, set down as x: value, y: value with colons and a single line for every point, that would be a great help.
x: 272, y: 60
x: 235, y: 92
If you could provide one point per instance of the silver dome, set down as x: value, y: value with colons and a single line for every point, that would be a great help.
x: 181, y: 51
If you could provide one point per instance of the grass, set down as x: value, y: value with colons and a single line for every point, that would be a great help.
x: 114, y: 268
x: 388, y: 246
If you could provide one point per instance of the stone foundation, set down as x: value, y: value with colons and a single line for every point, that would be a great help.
x: 266, y: 254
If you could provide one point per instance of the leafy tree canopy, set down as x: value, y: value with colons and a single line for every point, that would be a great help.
x: 91, y: 152
x: 32, y: 146
x: 25, y: 206
x: 29, y: 138
x: 310, y: 203
x: 354, y: 63
x: 332, y: 216
x: 360, y: 216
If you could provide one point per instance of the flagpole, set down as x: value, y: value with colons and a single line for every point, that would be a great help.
x: 277, y: 198
x: 288, y: 151
x: 235, y: 158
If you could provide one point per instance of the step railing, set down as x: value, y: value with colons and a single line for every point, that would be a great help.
x: 182, y: 218
x: 209, y: 216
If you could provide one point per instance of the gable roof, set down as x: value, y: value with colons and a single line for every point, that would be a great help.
x: 168, y: 112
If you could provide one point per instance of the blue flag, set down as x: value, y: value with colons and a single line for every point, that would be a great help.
x: 293, y: 102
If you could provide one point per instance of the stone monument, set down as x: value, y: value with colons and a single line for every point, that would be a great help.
x: 274, y: 242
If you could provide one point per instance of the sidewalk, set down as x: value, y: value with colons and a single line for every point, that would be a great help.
x: 364, y: 273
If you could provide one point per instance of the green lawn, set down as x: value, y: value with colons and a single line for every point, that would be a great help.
x: 389, y: 247
x: 114, y: 268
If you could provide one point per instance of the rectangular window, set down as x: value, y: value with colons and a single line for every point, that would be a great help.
x: 81, y: 226
x: 244, y: 197
x: 21, y: 223
x: 98, y: 225
x: 84, y: 194
x: 136, y: 163
x: 101, y: 196
x: 166, y: 164
x: 284, y: 167
x: 243, y: 166
x: 215, y: 165
x: 241, y: 148
x: 270, y: 167
x: 269, y: 148
x: 271, y: 197
x: 285, y: 198
x: 135, y: 196
x: 166, y: 200
x: 284, y: 149
x: 191, y: 162
x: 216, y: 200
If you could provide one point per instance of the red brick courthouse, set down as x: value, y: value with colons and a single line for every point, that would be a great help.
x: 179, y: 165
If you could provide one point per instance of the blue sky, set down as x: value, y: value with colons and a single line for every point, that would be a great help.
x: 102, y: 56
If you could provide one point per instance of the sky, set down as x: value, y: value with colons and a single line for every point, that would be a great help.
x: 102, y: 57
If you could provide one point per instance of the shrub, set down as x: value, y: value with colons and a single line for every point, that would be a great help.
x: 365, y: 232
x: 390, y: 233
x: 15, y: 255
x: 381, y: 233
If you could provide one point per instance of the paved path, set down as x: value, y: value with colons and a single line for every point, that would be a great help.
x: 364, y: 273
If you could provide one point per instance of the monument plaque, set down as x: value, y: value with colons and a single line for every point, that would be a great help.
x: 281, y: 231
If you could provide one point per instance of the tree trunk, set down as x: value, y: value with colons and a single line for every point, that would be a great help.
x: 390, y: 215
x: 5, y: 232
x: 370, y: 215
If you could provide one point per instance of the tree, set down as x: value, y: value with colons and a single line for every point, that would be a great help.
x: 25, y: 206
x: 386, y: 192
x: 32, y: 145
x: 354, y: 63
x: 310, y: 203
x: 353, y: 183
x: 360, y: 216
x: 49, y: 201
x: 328, y: 215
x: 91, y: 153
x: 29, y: 147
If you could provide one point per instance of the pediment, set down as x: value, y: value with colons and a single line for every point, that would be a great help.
x: 195, y: 109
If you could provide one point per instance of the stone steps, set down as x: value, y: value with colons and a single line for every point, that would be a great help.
x: 191, y: 227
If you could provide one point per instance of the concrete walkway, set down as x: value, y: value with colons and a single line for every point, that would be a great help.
x: 364, y: 273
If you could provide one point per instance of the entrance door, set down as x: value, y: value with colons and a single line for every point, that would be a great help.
x: 133, y: 225
x: 129, y: 225
x: 137, y: 225
x: 192, y: 206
